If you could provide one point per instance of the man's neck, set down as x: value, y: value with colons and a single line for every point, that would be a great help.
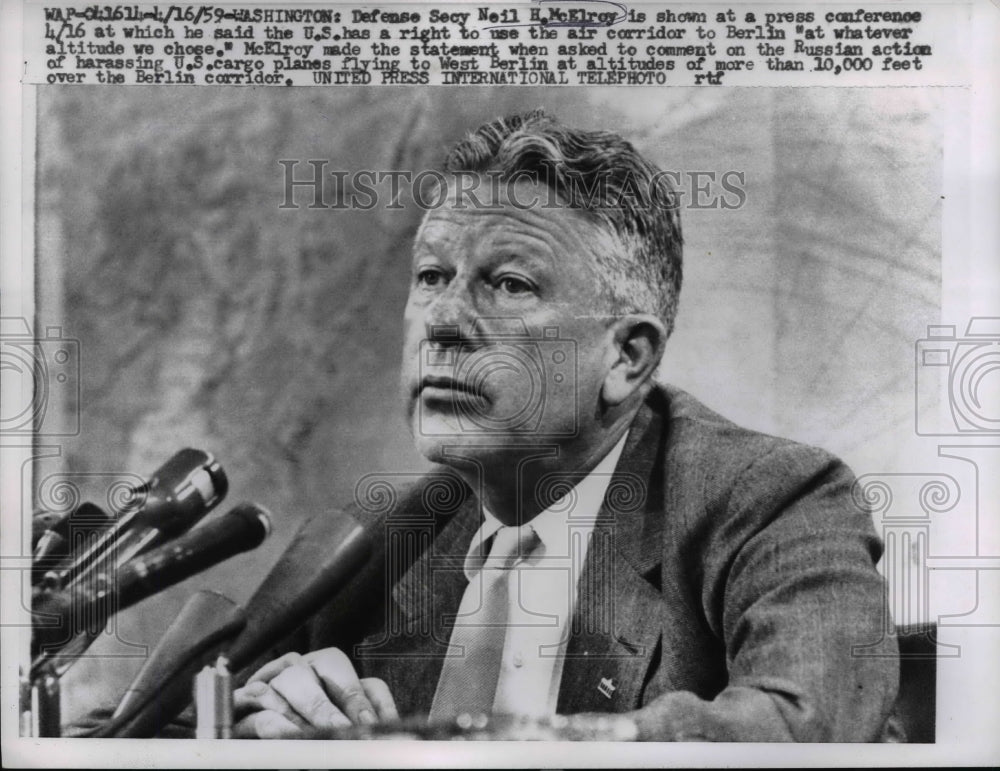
x: 527, y: 480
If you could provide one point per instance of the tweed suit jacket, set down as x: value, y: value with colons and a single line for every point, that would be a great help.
x: 730, y: 587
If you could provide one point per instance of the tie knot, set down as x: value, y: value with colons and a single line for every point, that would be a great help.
x: 511, y: 545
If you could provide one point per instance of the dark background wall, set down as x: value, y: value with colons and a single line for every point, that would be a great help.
x: 209, y: 317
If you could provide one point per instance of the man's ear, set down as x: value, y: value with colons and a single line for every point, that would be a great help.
x: 638, y: 340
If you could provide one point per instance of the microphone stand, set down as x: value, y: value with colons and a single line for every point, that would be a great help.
x: 41, y: 711
x: 213, y: 701
x: 206, y: 624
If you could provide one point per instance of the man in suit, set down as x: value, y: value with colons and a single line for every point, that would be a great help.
x: 602, y: 542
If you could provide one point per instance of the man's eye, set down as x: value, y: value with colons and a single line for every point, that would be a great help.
x: 430, y: 277
x: 514, y: 285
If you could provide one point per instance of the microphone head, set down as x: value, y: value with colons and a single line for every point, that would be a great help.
x: 44, y: 521
x: 241, y: 529
x: 257, y: 521
x: 181, y: 491
x: 73, y: 532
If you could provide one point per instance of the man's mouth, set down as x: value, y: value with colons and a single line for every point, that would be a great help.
x: 440, y: 385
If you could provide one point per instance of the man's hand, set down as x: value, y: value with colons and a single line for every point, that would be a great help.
x: 318, y: 690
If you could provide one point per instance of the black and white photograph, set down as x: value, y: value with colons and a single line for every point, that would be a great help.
x: 413, y: 420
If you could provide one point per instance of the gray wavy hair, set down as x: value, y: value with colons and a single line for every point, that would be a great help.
x: 600, y: 173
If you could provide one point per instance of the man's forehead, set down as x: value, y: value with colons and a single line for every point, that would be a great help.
x: 451, y: 223
x: 519, y: 208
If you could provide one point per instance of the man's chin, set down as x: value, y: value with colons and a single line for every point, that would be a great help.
x: 460, y: 448
x: 452, y: 449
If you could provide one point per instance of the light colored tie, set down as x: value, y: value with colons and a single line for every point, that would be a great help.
x: 471, y: 668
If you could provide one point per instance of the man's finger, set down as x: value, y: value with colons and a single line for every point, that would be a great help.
x: 381, y: 698
x: 301, y: 688
x: 340, y: 680
x: 259, y: 696
x: 273, y: 668
x: 265, y: 725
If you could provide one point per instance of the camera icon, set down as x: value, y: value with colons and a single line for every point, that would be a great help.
x: 967, y: 369
x: 504, y: 382
x: 44, y: 376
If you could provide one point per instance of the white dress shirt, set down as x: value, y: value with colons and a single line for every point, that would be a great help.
x: 542, y: 590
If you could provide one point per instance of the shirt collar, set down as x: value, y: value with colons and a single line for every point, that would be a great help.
x: 578, y: 507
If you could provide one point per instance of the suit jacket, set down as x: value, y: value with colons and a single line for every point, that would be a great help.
x: 730, y: 587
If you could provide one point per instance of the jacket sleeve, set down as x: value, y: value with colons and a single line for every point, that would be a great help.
x: 790, y: 587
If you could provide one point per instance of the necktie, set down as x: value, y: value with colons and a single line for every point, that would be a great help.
x: 471, y: 668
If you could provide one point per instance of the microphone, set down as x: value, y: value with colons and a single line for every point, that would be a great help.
x: 331, y: 557
x: 56, y: 537
x: 342, y: 561
x: 80, y: 614
x: 181, y: 491
x: 163, y: 685
x: 178, y: 494
x: 325, y: 554
x: 41, y: 523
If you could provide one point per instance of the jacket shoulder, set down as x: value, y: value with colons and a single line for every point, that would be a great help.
x: 725, y: 483
x: 731, y: 490
x: 706, y: 449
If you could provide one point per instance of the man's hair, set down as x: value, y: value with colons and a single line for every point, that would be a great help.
x: 600, y: 173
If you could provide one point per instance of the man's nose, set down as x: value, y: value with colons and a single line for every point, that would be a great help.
x: 451, y: 316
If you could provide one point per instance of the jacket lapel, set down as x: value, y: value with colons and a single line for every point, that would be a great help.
x: 409, y: 652
x: 616, y: 633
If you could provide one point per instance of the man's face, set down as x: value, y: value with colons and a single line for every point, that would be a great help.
x: 506, y: 331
